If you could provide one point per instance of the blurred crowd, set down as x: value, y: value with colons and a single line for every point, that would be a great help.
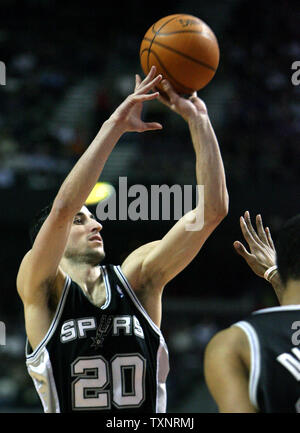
x: 259, y: 130
x: 63, y: 83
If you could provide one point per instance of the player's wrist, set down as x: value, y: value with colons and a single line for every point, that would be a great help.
x: 270, y: 273
x: 116, y: 124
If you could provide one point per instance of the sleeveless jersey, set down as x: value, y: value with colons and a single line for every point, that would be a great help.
x: 274, y: 340
x: 110, y: 358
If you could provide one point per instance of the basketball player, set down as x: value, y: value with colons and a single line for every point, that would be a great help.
x: 254, y: 366
x: 94, y: 340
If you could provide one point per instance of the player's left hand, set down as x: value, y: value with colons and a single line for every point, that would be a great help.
x: 262, y: 253
x: 188, y: 108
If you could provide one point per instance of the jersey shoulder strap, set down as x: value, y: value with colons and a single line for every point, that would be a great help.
x: 255, y: 359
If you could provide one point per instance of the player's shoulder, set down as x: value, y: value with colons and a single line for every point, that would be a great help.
x: 227, y: 341
x: 23, y: 270
x: 56, y: 286
x: 132, y: 266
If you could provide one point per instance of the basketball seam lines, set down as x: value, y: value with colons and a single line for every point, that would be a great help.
x: 171, y: 78
x: 156, y: 33
x: 178, y: 52
x: 175, y: 32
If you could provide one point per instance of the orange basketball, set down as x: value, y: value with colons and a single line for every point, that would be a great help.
x: 184, y: 50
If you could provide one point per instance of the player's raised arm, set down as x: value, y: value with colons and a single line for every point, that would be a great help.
x: 39, y: 267
x: 181, y: 244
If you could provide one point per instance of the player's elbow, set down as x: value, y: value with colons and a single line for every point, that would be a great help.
x: 224, y: 209
x: 223, y: 203
x: 62, y: 210
x: 220, y: 209
x: 214, y: 216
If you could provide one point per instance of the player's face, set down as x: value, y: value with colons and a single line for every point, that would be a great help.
x: 85, y: 242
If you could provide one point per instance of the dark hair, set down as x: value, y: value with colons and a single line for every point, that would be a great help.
x: 287, y: 246
x: 38, y: 221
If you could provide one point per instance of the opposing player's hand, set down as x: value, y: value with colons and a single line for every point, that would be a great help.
x: 129, y: 113
x: 188, y: 108
x: 262, y: 253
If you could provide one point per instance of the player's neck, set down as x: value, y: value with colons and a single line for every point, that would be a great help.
x: 87, y: 276
x: 291, y: 295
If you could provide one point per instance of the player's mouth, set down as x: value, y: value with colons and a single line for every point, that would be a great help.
x: 95, y: 238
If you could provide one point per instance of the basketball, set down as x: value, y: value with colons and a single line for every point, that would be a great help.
x: 184, y: 50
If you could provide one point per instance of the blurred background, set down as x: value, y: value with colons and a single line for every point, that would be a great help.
x: 68, y: 66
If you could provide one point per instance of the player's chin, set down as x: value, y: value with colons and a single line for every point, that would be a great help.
x: 101, y: 254
x: 97, y: 253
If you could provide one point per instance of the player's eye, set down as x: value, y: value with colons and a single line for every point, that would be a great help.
x: 77, y: 221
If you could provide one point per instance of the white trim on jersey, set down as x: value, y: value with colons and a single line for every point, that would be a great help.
x: 107, y: 287
x: 39, y: 365
x: 40, y: 370
x: 255, y: 363
x: 278, y: 308
x: 126, y: 285
x: 54, y: 322
x: 162, y: 353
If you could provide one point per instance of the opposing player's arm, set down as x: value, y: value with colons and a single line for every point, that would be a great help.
x: 262, y: 254
x: 226, y: 370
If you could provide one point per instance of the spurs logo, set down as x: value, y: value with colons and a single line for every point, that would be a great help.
x: 102, y: 331
x: 116, y: 325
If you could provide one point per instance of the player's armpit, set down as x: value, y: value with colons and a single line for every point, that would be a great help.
x: 226, y: 372
x: 132, y: 265
x: 176, y: 249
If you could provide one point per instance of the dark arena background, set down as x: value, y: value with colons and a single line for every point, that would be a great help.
x: 68, y: 66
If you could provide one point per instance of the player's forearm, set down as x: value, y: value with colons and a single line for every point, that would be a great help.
x: 82, y: 178
x: 277, y: 286
x: 209, y: 168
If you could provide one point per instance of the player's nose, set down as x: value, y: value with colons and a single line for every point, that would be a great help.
x: 96, y: 226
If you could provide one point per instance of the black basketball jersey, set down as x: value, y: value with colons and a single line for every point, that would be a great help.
x: 109, y: 358
x: 274, y: 340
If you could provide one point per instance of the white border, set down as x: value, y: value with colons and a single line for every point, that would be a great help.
x: 53, y: 325
x: 107, y: 287
x: 255, y: 364
x: 278, y: 308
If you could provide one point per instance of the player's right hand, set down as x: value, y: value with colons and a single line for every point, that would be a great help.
x: 188, y: 108
x: 128, y: 114
x: 262, y: 253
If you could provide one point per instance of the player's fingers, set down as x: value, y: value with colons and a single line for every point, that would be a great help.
x: 162, y: 98
x: 169, y: 90
x: 149, y: 77
x: 138, y: 81
x: 270, y: 240
x: 246, y: 232
x: 193, y: 97
x: 248, y: 223
x: 151, y: 126
x: 147, y: 97
x: 146, y: 87
x: 260, y: 229
x: 241, y: 250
